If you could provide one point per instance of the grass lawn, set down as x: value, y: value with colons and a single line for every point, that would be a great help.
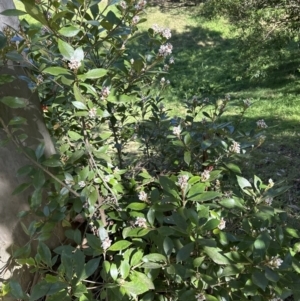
x: 206, y: 60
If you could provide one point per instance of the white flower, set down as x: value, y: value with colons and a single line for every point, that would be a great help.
x: 81, y: 184
x: 166, y: 67
x: 165, y: 50
x: 182, y: 181
x: 177, y: 130
x: 171, y: 60
x: 106, y: 243
x: 93, y: 113
x: 39, y: 79
x: 275, y: 262
x: 168, y: 82
x: 234, y: 248
x: 271, y: 183
x: 143, y: 196
x: 235, y: 147
x: 205, y: 175
x: 105, y: 92
x: 135, y: 19
x: 222, y: 224
x: 123, y: 4
x: 131, y: 61
x: 261, y: 124
x: 74, y: 64
x: 140, y: 5
x: 269, y: 200
x: 162, y: 80
x: 200, y: 297
x: 166, y: 33
x: 247, y: 103
x: 141, y: 222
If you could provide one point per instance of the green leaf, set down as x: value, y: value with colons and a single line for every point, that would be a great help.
x: 74, y: 136
x: 233, y: 167
x: 44, y: 288
x: 93, y: 74
x: 136, y: 258
x: 185, y: 252
x: 205, y: 196
x: 154, y: 257
x: 18, y: 121
x: 124, y: 269
x: 69, y: 31
x: 79, y: 105
x: 271, y: 275
x: 90, y: 268
x: 231, y: 203
x: 16, y: 290
x: 36, y: 198
x: 168, y: 246
x: 52, y: 162
x: 120, y: 245
x: 14, y: 102
x: 140, y: 277
x: 233, y: 269
x: 211, y: 224
x: 243, y: 182
x: 66, y: 50
x: 13, y: 13
x: 187, y: 158
x: 135, y: 287
x: 45, y: 254
x: 169, y: 186
x: 3, y: 42
x: 56, y: 71
x: 259, y: 279
x: 215, y: 256
x: 20, y: 188
x: 137, y: 206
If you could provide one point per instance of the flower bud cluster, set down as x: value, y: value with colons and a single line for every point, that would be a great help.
x: 182, y: 181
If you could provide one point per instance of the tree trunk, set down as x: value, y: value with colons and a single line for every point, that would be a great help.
x: 11, y: 233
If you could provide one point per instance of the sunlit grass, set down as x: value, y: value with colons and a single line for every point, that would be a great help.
x: 207, y: 65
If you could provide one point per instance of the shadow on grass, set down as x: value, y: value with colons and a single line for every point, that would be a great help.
x: 207, y: 63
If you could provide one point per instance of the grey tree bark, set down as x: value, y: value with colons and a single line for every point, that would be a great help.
x: 11, y: 233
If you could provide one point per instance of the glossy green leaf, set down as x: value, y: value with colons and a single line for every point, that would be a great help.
x: 14, y: 102
x: 259, y: 279
x: 65, y: 49
x: 69, y: 31
x: 56, y: 71
x: 205, y: 196
x: 120, y: 245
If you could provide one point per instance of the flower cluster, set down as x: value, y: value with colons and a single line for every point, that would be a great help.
x: 165, y: 50
x: 74, y: 64
x: 164, y: 81
x: 205, y: 175
x: 81, y: 184
x: 123, y: 4
x: 106, y: 243
x: 93, y: 113
x: 222, y: 224
x: 140, y: 222
x: 164, y: 32
x: 177, y: 130
x: 140, y: 5
x: 39, y: 79
x: 143, y: 196
x: 104, y: 93
x: 235, y: 147
x: 275, y: 262
x: 269, y: 200
x: 182, y: 181
x: 247, y: 103
x: 261, y: 124
x: 135, y: 20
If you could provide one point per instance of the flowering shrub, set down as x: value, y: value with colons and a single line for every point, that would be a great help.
x: 176, y: 220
